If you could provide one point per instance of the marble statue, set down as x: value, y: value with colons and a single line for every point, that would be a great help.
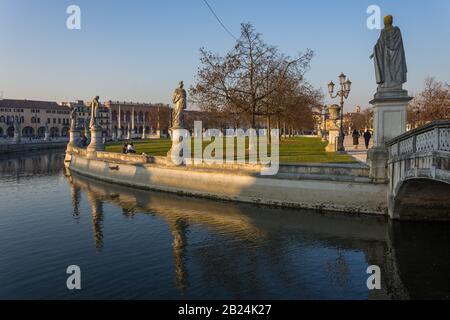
x: 73, y: 118
x: 389, y: 58
x: 180, y: 104
x: 94, y: 111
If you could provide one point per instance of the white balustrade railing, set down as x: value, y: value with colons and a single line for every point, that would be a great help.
x: 432, y: 137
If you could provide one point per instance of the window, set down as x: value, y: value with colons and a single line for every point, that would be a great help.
x: 48, y: 120
x: 38, y: 120
x: 2, y: 119
x: 59, y: 120
x: 54, y: 120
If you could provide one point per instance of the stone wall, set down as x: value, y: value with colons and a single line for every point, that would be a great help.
x: 353, y: 194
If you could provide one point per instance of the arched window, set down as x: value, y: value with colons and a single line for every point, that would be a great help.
x: 2, y: 119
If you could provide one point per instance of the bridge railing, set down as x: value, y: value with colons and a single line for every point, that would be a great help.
x: 434, y: 136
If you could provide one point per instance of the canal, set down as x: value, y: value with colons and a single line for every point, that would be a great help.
x: 133, y: 244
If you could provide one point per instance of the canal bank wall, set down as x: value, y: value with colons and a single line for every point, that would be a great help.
x: 326, y: 187
x: 25, y: 147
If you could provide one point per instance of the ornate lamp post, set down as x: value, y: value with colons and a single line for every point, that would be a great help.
x: 343, y: 94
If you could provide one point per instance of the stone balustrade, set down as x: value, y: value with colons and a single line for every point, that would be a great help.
x: 432, y: 137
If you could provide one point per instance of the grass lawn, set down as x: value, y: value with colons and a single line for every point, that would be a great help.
x: 292, y: 150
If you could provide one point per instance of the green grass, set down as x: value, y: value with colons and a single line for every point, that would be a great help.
x: 292, y: 150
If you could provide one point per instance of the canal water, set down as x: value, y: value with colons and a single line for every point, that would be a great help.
x: 133, y: 244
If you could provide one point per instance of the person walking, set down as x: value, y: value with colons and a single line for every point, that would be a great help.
x: 367, y: 137
x: 355, y: 136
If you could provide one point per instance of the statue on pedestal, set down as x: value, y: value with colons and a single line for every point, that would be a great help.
x: 94, y: 112
x: 390, y: 103
x: 389, y: 58
x: 96, y: 131
x: 180, y: 100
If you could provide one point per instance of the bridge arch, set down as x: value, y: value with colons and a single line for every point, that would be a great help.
x: 421, y: 199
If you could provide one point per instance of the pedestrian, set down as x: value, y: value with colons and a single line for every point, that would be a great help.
x: 130, y: 148
x: 124, y: 147
x: 355, y: 136
x: 367, y: 137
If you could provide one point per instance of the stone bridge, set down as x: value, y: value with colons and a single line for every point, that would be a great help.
x: 419, y: 173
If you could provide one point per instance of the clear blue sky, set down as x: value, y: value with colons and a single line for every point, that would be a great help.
x: 139, y: 50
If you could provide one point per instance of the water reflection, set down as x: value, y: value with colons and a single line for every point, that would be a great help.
x: 179, y: 247
x: 31, y: 164
x: 257, y: 229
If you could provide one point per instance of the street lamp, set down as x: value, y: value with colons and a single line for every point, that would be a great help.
x: 343, y: 93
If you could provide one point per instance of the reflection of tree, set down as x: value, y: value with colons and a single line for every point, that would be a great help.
x: 339, y: 270
x: 179, y: 229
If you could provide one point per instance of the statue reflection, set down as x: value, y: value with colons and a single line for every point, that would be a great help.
x: 97, y: 218
x: 75, y: 195
x: 179, y: 245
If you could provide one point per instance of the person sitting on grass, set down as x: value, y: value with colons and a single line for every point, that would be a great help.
x: 130, y: 148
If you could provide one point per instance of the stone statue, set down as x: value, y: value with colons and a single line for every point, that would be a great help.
x: 94, y: 111
x: 73, y: 118
x: 389, y: 58
x: 179, y: 99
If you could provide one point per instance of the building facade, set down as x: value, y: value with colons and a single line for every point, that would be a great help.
x: 136, y: 119
x: 34, y: 117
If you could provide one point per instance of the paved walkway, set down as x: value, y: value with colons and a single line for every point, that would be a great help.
x: 359, y: 154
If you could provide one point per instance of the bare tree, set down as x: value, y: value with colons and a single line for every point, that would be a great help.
x: 433, y: 103
x: 253, y: 79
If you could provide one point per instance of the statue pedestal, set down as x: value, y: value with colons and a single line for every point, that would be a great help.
x: 333, y: 137
x: 144, y: 136
x: 119, y: 134
x: 175, y: 155
x: 390, y: 118
x: 73, y: 136
x: 96, y: 141
x: 46, y: 136
x: 87, y: 134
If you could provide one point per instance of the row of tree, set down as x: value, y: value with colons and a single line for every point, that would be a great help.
x: 433, y: 103
x: 255, y: 85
